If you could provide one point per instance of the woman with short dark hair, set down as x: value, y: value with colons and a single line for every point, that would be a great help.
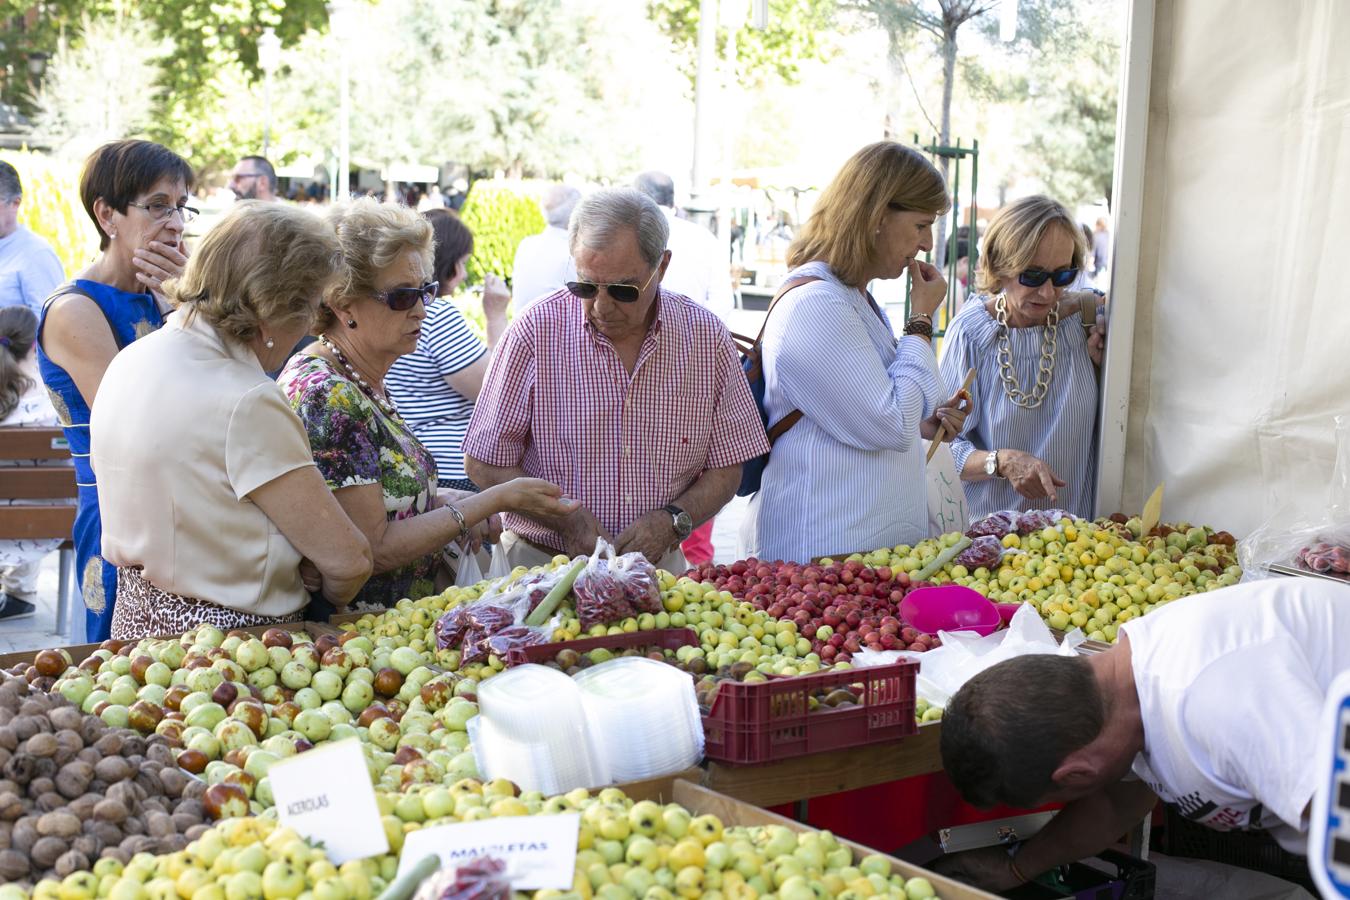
x: 437, y: 384
x: 136, y: 193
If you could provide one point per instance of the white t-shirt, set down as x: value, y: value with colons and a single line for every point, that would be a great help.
x: 542, y: 265
x: 700, y: 266
x: 185, y: 426
x: 1231, y: 686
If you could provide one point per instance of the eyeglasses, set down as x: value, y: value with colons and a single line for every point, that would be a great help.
x: 1034, y: 278
x: 161, y: 211
x: 402, y: 299
x: 624, y: 293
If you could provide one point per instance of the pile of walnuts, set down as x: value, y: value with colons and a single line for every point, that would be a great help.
x: 73, y: 790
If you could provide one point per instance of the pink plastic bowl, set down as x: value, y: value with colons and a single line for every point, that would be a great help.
x: 950, y: 607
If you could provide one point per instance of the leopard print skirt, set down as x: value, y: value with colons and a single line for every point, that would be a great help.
x: 144, y: 610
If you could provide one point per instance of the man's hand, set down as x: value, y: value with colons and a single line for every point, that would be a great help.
x: 989, y: 868
x: 158, y: 263
x: 652, y: 535
x: 952, y: 414
x: 579, y: 532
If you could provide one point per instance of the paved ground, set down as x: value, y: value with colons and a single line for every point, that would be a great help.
x: 38, y: 631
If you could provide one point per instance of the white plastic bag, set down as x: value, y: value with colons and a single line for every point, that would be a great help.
x: 964, y: 654
x: 468, y: 571
x: 1280, y: 538
x: 500, y: 567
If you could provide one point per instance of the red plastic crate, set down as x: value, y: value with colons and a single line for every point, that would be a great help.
x: 660, y: 639
x: 769, y: 721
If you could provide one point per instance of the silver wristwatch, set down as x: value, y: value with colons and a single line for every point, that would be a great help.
x: 991, y: 465
x: 680, y: 521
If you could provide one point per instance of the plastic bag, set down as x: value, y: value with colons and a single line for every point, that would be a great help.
x: 964, y: 654
x: 468, y: 572
x: 500, y: 566
x: 480, y: 878
x: 1287, y: 534
x: 611, y: 588
x: 472, y: 627
x: 996, y: 524
x: 985, y: 551
x: 1037, y: 519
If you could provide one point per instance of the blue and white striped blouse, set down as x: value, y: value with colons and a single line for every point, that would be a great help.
x: 437, y: 413
x: 849, y: 476
x: 1061, y: 431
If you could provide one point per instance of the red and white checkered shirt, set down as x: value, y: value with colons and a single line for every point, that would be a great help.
x: 558, y: 402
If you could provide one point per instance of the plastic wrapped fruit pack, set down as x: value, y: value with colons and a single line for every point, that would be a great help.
x: 613, y: 587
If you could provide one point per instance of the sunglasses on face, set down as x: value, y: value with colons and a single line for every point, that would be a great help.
x: 401, y: 299
x: 1034, y: 278
x: 624, y: 293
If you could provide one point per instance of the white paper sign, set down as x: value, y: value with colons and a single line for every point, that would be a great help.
x: 947, y: 510
x: 325, y: 795
x: 540, y: 852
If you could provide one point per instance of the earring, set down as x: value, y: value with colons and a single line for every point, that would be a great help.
x: 113, y: 236
x: 269, y: 343
x: 351, y: 323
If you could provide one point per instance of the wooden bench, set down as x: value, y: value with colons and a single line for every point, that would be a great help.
x: 52, y: 478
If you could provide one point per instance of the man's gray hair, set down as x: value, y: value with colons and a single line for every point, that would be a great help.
x: 657, y: 185
x: 559, y: 202
x: 602, y: 215
x: 10, y: 188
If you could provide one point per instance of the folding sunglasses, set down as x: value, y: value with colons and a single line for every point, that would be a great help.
x: 401, y: 299
x: 1034, y: 278
x: 624, y: 293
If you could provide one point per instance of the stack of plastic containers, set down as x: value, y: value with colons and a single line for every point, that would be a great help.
x: 626, y: 720
x: 644, y: 716
x: 532, y: 730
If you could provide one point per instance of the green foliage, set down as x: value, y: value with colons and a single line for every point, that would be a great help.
x: 51, y: 207
x: 500, y: 216
x: 794, y: 33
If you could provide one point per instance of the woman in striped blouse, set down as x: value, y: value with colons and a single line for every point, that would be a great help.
x: 849, y: 474
x: 1030, y: 440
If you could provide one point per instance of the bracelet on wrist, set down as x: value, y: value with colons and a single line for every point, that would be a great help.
x: 459, y: 517
x: 918, y: 326
x: 1021, y: 877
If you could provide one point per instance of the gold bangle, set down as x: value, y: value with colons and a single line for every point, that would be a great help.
x: 459, y: 517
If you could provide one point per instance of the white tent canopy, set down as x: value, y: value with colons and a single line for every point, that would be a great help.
x: 1240, y: 313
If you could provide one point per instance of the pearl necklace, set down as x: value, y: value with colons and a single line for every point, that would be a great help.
x: 385, y: 403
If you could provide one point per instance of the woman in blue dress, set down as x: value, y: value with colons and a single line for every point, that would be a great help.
x: 136, y: 192
x: 1030, y: 439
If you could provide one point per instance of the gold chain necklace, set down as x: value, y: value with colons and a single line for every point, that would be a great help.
x: 1046, y: 368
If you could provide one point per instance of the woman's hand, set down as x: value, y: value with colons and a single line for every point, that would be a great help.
x: 496, y: 297
x: 487, y: 531
x: 951, y: 414
x: 1029, y: 476
x: 158, y: 263
x: 535, y: 498
x: 1096, y: 342
x: 927, y: 288
x: 310, y: 576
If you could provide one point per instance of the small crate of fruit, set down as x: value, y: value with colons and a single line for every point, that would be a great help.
x: 780, y: 718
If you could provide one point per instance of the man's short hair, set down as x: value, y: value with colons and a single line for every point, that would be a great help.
x: 657, y: 185
x: 264, y: 169
x: 602, y: 215
x: 10, y: 188
x: 559, y: 202
x: 1009, y: 728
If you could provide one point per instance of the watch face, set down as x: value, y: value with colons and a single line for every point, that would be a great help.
x: 683, y: 524
x: 990, y: 464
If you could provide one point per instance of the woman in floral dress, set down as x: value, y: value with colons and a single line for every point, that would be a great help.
x: 380, y: 473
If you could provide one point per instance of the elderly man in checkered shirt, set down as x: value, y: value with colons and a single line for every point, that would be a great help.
x: 628, y: 396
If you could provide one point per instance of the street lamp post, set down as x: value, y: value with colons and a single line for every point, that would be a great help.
x: 269, y: 55
x: 339, y: 21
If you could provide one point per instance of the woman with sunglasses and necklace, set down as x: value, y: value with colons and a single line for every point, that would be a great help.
x: 1030, y: 439
x: 136, y: 193
x: 381, y: 474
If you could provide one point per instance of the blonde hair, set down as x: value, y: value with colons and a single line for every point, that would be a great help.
x: 260, y: 265
x: 843, y: 225
x: 1015, y: 234
x: 372, y: 235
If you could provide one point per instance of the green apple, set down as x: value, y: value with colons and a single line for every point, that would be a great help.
x: 123, y: 694
x: 358, y: 694
x: 327, y: 683
x: 384, y: 733
x: 307, y: 698
x: 116, y: 715
x: 76, y: 689
x: 296, y: 675
x: 262, y: 678
x: 278, y: 658
x: 234, y: 735
x: 282, y: 881
x: 457, y: 713
x: 342, y: 731
x: 252, y: 655
x: 405, y: 659
x: 314, y: 725
x: 203, y: 714
x: 260, y: 760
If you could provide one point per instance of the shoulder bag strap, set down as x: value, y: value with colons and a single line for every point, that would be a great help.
x: 754, y: 351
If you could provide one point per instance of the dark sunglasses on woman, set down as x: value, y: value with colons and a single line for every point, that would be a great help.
x: 1034, y: 278
x: 624, y: 293
x: 402, y: 299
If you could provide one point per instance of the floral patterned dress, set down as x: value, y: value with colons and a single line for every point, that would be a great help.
x: 355, y: 443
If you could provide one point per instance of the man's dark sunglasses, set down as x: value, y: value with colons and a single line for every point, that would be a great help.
x: 401, y: 299
x: 624, y: 293
x: 1034, y: 278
